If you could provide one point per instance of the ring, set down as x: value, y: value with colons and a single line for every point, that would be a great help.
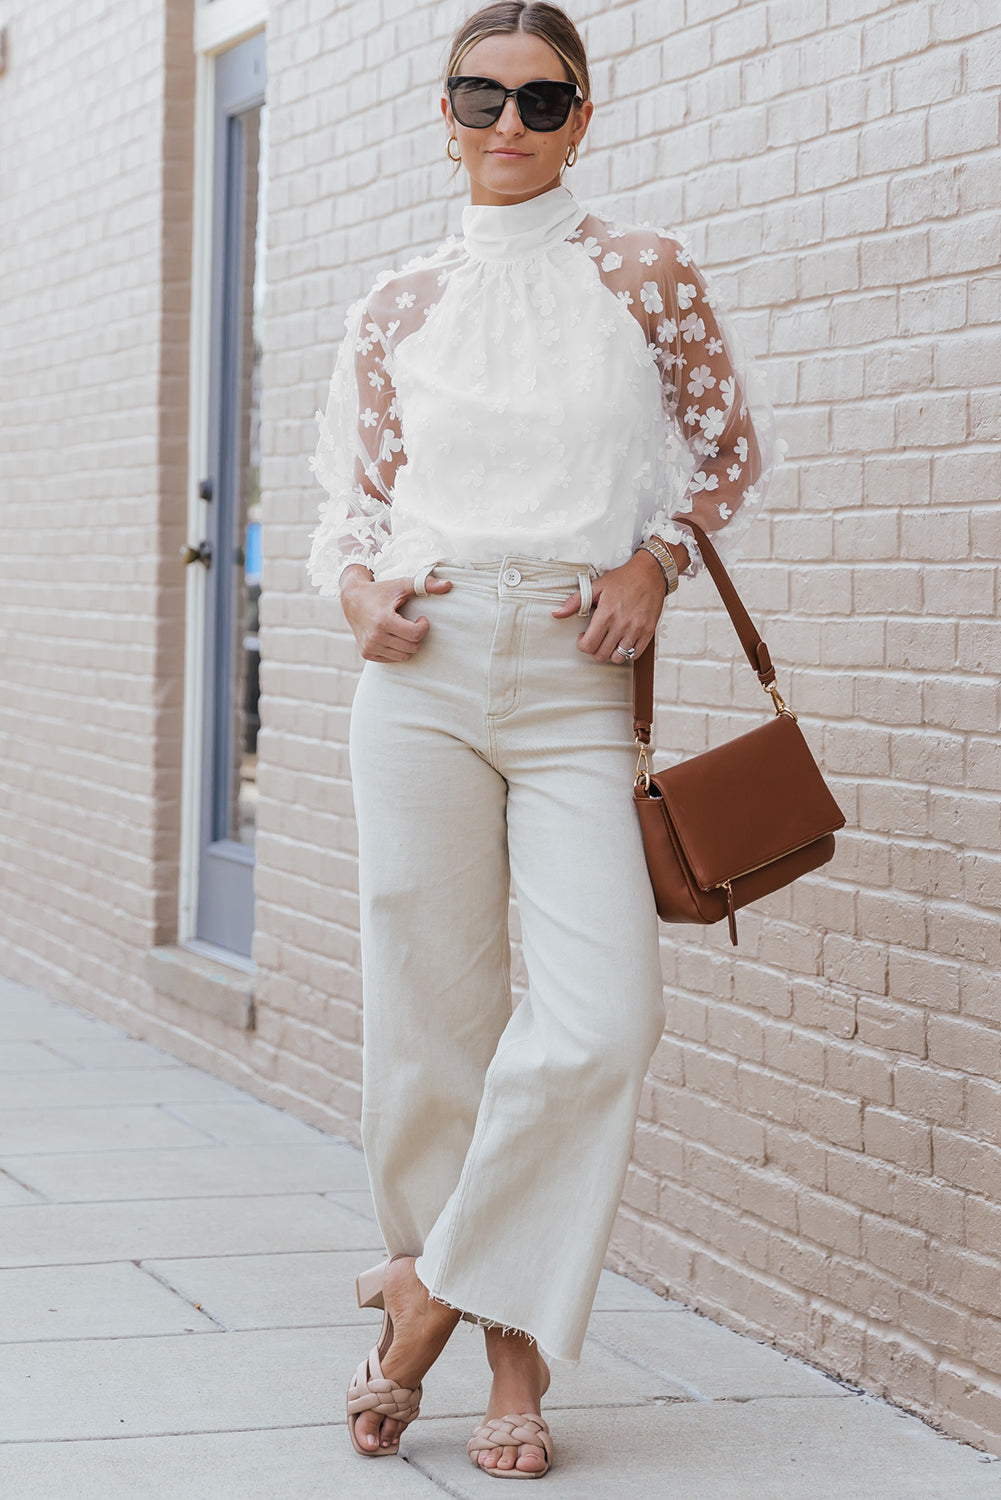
x: 626, y: 651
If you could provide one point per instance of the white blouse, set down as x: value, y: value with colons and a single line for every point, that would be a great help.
x: 549, y: 386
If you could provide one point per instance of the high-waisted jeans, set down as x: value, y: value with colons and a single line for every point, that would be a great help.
x: 501, y: 756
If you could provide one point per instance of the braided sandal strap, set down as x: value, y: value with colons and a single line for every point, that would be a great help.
x: 370, y: 1390
x: 510, y: 1432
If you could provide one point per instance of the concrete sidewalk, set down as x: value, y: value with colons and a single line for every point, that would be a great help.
x: 177, y: 1323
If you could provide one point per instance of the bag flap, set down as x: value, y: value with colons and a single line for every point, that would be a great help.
x: 748, y: 802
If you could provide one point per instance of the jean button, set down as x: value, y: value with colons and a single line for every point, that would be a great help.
x: 512, y: 577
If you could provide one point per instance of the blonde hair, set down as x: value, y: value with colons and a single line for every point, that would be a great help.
x: 507, y: 17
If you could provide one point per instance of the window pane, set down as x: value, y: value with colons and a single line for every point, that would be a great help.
x: 251, y: 154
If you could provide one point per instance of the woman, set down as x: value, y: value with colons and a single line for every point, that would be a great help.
x: 501, y: 448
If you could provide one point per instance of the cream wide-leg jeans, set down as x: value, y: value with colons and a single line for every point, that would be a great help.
x: 501, y: 755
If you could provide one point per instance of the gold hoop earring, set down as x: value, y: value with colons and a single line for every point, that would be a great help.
x: 571, y: 155
x: 448, y: 150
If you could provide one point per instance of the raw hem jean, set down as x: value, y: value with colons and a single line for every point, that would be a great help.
x: 501, y: 756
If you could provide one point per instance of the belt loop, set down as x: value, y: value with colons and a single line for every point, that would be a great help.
x: 421, y: 580
x: 586, y: 593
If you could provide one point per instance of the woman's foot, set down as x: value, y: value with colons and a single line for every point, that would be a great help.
x: 421, y: 1329
x: 521, y: 1379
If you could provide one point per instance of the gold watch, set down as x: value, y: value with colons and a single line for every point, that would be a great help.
x: 658, y: 548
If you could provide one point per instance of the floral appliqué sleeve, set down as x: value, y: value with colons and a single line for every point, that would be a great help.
x: 719, y: 425
x: 359, y: 450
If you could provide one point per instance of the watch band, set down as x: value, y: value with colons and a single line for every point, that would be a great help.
x: 657, y: 548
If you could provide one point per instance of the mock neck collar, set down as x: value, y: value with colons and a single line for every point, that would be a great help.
x: 515, y: 231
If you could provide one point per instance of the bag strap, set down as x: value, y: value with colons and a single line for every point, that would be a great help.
x: 754, y: 647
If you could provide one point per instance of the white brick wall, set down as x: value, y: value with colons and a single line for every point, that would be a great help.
x: 817, y: 1157
x: 95, y: 115
x: 817, y: 1139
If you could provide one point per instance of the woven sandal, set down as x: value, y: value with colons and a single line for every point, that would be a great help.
x: 370, y: 1390
x: 510, y: 1432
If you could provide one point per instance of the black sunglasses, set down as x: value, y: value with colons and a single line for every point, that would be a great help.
x: 544, y: 105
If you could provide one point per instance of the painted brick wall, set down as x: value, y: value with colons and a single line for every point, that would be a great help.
x: 817, y: 1158
x: 95, y: 117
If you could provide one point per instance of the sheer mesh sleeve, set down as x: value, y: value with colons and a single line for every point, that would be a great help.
x: 719, y: 423
x: 358, y: 453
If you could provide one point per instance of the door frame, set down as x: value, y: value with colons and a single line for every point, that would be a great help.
x: 219, y: 25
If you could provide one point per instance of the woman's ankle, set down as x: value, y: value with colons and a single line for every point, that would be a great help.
x: 516, y: 1356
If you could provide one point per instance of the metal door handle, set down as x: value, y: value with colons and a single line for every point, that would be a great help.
x: 200, y: 554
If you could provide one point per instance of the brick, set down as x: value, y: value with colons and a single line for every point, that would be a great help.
x: 801, y: 329
x: 924, y: 978
x: 827, y: 1222
x: 965, y: 18
x: 951, y: 530
x: 969, y: 820
x: 897, y: 810
x: 984, y: 424
x: 827, y: 162
x: 929, y: 194
x: 767, y: 1094
x: 965, y: 1162
x: 966, y: 1045
x: 793, y: 1152
x: 837, y: 378
x: 865, y: 319
x: 983, y: 881
x: 887, y: 38
x: 977, y: 249
x: 827, y: 592
x: 983, y: 1102
x: 839, y: 1339
x: 834, y: 55
x: 933, y: 1207
x: 710, y: 1074
x: 798, y: 1262
x: 932, y: 421
x: 739, y: 33
x: 983, y: 1226
x: 928, y: 645
x: 961, y: 703
x: 971, y: 1279
x: 978, y: 645
x: 963, y: 126
x: 856, y: 100
x: 799, y: 223
x: 860, y: 1180
x: 923, y: 80
x: 970, y: 1403
x: 832, y: 1119
x: 768, y: 1196
x: 922, y: 755
x: 983, y: 533
x: 892, y: 145
x: 985, y: 300
x: 889, y: 1024
x: 889, y: 370
x: 893, y: 1359
x: 859, y: 208
x: 859, y: 750
x: 895, y: 1248
x: 978, y: 993
x: 862, y: 643
x: 896, y: 1138
x: 983, y: 765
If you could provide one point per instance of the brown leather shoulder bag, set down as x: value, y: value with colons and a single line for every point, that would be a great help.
x: 742, y: 820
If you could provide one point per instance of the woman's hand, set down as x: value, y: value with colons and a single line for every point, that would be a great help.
x: 372, y: 611
x: 627, y: 606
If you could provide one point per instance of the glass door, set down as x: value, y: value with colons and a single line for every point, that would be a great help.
x: 231, y: 550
